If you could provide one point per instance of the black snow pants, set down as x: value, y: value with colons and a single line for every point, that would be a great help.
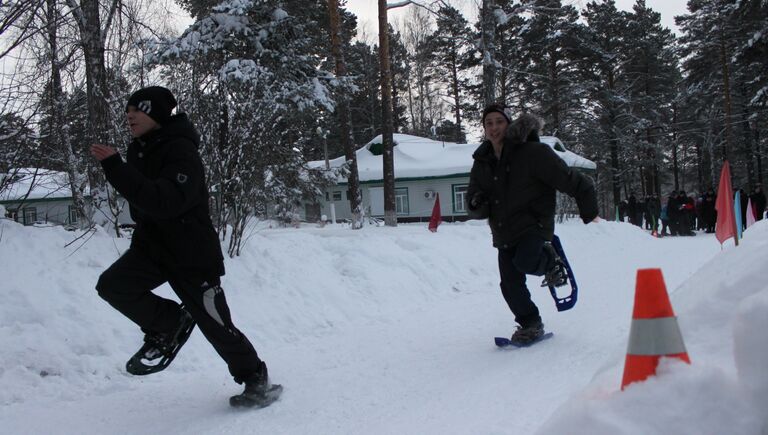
x: 526, y: 258
x: 127, y: 285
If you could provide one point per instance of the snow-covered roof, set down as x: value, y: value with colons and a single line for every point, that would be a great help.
x: 418, y: 157
x: 39, y: 183
x: 571, y: 159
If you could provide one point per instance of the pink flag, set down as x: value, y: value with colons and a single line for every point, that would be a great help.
x: 750, y: 213
x: 725, y: 227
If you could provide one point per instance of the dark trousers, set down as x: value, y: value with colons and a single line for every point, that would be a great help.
x: 127, y: 285
x: 526, y: 258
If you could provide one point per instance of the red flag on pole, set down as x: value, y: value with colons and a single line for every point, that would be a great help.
x: 726, y: 221
x: 434, y: 221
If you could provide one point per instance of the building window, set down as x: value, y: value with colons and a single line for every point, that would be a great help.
x: 30, y: 215
x: 327, y: 196
x: 72, y: 215
x: 401, y: 201
x: 337, y: 195
x: 460, y: 198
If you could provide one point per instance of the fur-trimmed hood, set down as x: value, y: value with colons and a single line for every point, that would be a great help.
x: 526, y: 128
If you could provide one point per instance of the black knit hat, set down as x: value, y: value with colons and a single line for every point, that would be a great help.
x: 496, y: 107
x: 155, y: 101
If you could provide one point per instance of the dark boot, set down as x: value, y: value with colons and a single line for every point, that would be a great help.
x: 528, y: 334
x: 258, y: 391
x: 556, y: 274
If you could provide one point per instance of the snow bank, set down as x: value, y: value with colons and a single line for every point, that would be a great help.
x: 722, y: 314
x: 389, y: 330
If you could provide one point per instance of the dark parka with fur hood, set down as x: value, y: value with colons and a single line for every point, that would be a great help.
x: 517, y: 192
x: 164, y: 183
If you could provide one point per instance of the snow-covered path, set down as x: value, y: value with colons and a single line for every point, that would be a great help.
x: 392, y: 337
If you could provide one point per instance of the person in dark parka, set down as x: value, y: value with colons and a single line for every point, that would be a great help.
x: 174, y: 241
x: 513, y: 183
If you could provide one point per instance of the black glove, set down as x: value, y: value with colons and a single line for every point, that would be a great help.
x: 479, y: 206
x: 478, y: 201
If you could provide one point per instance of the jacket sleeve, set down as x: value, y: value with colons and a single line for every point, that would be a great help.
x: 477, y: 200
x: 553, y: 171
x: 171, y: 194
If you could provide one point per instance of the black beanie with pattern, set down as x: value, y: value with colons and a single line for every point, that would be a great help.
x: 156, y: 102
x: 500, y: 108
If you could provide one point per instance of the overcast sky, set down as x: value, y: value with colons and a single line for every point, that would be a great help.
x: 367, y: 11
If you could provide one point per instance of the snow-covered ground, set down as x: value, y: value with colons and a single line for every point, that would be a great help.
x: 390, y: 331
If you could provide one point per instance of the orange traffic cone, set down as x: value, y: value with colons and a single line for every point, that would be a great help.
x: 654, y: 332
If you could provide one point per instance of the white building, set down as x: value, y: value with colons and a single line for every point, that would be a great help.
x: 43, y: 196
x: 424, y: 169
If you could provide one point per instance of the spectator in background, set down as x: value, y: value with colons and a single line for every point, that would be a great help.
x: 673, y: 213
x: 686, y: 212
x: 708, y: 212
x: 664, y: 221
x: 653, y: 207
x: 633, y: 209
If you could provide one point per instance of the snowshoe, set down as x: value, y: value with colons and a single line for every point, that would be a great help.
x: 566, y: 302
x: 160, y: 349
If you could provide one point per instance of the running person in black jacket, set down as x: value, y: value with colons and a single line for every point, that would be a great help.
x: 513, y: 182
x: 174, y: 241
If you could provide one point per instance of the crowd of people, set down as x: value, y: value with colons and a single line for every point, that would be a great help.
x: 681, y: 214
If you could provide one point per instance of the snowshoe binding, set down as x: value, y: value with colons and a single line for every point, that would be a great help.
x: 557, y: 274
x: 160, y: 349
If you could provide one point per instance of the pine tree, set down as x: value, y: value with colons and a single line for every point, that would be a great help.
x: 263, y: 82
x: 552, y: 86
x: 707, y: 47
x: 449, y: 45
x: 751, y: 55
x: 424, y: 105
x: 603, y: 54
x: 365, y: 104
x: 512, y: 65
x: 651, y: 75
x: 345, y: 128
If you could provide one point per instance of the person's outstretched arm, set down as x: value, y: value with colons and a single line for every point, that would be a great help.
x: 553, y: 171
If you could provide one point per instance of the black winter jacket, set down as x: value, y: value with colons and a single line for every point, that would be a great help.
x: 164, y: 183
x: 517, y: 192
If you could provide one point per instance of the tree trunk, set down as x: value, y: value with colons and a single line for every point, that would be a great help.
x: 758, y: 151
x: 353, y: 180
x: 488, y: 51
x: 58, y: 132
x: 675, y: 161
x: 749, y: 154
x: 390, y: 214
x: 456, y: 98
x: 726, y: 99
x: 92, y: 42
x: 613, y: 143
x: 554, y: 92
